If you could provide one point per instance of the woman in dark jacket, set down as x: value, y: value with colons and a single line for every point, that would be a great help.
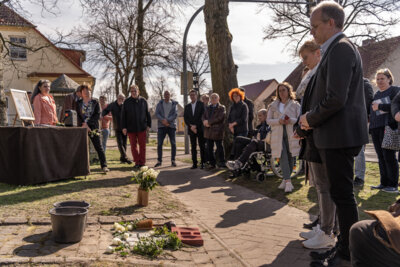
x: 380, y: 117
x: 213, y: 121
x: 88, y: 111
x: 238, y: 116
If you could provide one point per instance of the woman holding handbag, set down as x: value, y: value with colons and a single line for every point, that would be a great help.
x: 282, y: 115
x: 380, y: 118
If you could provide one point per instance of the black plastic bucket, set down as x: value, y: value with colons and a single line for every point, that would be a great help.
x: 68, y: 224
x: 72, y: 203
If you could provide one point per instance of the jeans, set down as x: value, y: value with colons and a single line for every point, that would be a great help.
x: 121, y: 141
x: 99, y: 149
x: 339, y: 165
x: 388, y: 164
x: 193, y: 142
x: 138, y: 138
x: 161, y: 133
x: 105, y: 133
x: 219, y: 153
x: 286, y: 160
x: 359, y: 164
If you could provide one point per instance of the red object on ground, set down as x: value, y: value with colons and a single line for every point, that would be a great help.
x: 188, y: 235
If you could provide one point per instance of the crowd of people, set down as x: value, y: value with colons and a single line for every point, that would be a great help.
x: 324, y: 122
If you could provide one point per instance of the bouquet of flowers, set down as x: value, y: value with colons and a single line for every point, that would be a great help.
x: 146, y: 178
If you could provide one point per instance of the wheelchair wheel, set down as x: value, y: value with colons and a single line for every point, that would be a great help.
x: 260, y: 177
x: 276, y: 168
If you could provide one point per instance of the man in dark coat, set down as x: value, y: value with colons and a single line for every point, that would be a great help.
x: 115, y: 108
x: 192, y: 115
x: 338, y: 116
x: 135, y: 121
x: 250, y: 106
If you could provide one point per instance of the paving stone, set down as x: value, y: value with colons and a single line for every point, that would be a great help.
x: 14, y: 260
x: 154, y: 216
x: 200, y: 258
x: 168, y: 215
x: 109, y: 219
x: 87, y: 249
x: 92, y: 220
x: 14, y: 220
x: 132, y: 217
x: 40, y: 220
x: 48, y: 260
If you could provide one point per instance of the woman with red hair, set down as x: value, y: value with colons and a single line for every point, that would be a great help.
x: 238, y: 116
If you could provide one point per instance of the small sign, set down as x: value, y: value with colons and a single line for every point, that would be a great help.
x: 22, y: 105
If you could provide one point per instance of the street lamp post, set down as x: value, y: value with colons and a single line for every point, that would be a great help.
x: 184, y: 56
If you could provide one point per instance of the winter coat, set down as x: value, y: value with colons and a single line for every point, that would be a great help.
x: 292, y: 110
x: 115, y: 110
x: 216, y: 119
x: 135, y: 115
x: 239, y: 113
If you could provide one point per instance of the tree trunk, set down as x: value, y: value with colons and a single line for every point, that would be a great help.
x: 3, y: 102
x: 139, y: 78
x: 223, y: 71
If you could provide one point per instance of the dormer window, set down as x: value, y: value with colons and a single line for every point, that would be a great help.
x: 17, y: 52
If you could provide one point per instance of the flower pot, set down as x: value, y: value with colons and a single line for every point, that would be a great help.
x: 72, y: 203
x: 142, y: 197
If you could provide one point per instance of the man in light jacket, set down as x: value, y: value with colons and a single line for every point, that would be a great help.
x: 166, y: 112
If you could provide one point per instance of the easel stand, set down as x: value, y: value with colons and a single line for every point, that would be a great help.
x: 24, y: 122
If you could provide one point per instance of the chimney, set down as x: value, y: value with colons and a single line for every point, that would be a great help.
x: 368, y: 42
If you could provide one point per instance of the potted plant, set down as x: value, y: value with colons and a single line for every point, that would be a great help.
x: 147, y: 180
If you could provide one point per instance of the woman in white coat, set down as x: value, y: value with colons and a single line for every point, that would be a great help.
x: 282, y: 115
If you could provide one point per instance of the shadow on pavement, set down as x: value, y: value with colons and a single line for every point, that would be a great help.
x: 294, y: 254
x: 41, y: 245
x: 250, y: 211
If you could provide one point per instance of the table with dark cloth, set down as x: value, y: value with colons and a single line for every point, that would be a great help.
x: 32, y: 155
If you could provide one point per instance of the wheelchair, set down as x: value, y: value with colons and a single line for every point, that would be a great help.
x: 265, y: 166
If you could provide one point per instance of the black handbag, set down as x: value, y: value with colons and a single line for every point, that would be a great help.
x: 391, y: 139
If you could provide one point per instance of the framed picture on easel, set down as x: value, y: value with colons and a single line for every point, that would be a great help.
x: 22, y: 106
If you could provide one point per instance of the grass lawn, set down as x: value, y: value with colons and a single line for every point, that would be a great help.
x: 304, y: 197
x: 109, y: 194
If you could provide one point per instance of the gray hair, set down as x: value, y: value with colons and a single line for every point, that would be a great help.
x: 263, y: 111
x: 331, y: 10
x: 121, y: 95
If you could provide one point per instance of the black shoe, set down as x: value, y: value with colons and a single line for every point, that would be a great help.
x: 158, y: 164
x: 173, y: 164
x: 333, y: 260
x: 234, y: 174
x: 312, y: 224
x: 202, y: 166
x: 378, y: 187
x: 211, y: 167
x: 126, y: 161
x: 194, y: 166
x: 358, y: 182
x: 318, y: 255
x: 136, y: 167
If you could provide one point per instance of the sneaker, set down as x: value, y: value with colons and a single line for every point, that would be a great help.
x: 158, y: 164
x: 231, y: 165
x: 288, y: 187
x: 282, y: 185
x: 358, y: 182
x: 320, y: 241
x: 234, y: 165
x: 173, y: 164
x: 390, y: 189
x: 377, y: 187
x: 105, y: 169
x: 310, y: 234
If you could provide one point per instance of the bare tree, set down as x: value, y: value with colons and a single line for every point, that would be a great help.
x: 198, y: 62
x: 365, y: 19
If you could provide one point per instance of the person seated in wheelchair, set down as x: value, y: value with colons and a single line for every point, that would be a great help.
x: 247, y: 146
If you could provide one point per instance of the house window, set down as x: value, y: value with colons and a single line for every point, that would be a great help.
x: 17, y: 52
